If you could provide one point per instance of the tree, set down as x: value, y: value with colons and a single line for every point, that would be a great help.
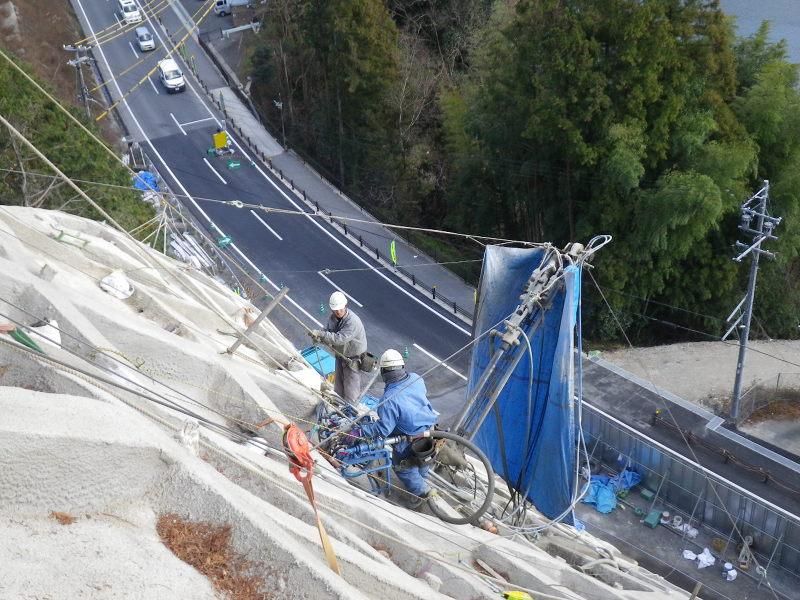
x: 32, y: 183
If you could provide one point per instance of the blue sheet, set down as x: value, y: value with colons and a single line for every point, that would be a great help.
x: 530, y: 444
x: 145, y: 180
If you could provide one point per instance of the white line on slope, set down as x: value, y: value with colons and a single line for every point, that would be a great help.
x: 340, y: 289
x: 169, y: 170
x: 133, y: 49
x: 264, y: 223
x: 205, y: 160
x: 445, y: 365
x: 155, y: 89
x: 176, y: 123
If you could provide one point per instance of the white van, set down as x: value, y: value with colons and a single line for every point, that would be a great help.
x: 171, y: 76
x: 223, y: 7
x: 128, y: 11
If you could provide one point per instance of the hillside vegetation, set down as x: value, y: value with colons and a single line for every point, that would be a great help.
x: 26, y: 180
x: 556, y: 120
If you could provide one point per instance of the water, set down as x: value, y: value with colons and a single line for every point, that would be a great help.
x: 784, y: 16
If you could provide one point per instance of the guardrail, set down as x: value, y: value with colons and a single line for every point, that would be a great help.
x: 410, y: 277
x: 705, y: 499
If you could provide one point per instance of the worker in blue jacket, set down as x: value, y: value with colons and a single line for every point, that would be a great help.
x: 404, y: 409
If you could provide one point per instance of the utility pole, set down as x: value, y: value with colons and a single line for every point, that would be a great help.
x: 77, y: 62
x: 754, y: 209
x: 279, y: 105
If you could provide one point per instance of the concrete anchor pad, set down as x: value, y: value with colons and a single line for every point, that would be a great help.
x: 89, y: 461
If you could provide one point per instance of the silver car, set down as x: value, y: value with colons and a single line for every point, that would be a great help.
x: 145, y: 39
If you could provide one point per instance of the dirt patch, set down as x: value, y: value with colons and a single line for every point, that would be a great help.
x: 35, y: 31
x: 207, y: 548
x: 780, y: 410
x: 63, y: 518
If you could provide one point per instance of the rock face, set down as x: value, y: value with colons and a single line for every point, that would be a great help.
x: 101, y: 431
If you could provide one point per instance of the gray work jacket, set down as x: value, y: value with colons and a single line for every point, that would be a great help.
x: 346, y: 335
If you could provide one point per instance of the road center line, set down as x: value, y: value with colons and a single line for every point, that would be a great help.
x: 340, y: 289
x: 197, y: 121
x: 205, y: 160
x: 445, y: 365
x: 345, y: 246
x: 155, y: 89
x: 264, y: 223
x: 176, y: 123
x: 136, y: 54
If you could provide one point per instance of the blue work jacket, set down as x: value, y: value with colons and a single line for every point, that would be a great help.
x: 403, y: 409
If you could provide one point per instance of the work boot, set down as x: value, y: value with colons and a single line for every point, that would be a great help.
x: 415, y: 502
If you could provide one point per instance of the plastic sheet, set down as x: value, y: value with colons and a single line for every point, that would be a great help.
x: 145, y: 180
x: 532, y: 446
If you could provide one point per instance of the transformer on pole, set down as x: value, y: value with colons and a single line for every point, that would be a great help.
x: 758, y: 224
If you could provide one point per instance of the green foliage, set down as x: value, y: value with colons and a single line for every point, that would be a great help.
x: 69, y: 147
x: 556, y: 120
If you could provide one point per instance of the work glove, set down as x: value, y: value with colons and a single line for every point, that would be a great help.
x: 316, y: 335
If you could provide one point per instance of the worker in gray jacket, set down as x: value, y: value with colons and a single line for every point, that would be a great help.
x: 345, y: 334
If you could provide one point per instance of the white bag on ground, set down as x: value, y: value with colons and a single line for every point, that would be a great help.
x: 705, y: 559
x: 116, y: 284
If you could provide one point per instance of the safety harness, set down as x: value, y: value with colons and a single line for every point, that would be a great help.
x: 301, y: 465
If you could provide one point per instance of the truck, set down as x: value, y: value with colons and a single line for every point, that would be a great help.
x: 224, y: 7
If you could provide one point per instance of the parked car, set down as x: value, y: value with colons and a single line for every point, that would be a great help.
x: 223, y: 7
x: 145, y: 39
x: 171, y: 76
x: 128, y: 11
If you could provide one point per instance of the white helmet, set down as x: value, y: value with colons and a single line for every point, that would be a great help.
x: 391, y: 359
x: 338, y: 301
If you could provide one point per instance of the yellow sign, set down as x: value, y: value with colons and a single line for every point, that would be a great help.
x: 220, y: 140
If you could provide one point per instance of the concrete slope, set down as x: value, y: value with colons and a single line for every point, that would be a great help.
x: 103, y: 428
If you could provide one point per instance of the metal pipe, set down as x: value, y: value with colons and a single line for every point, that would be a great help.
x: 269, y: 308
x: 495, y: 393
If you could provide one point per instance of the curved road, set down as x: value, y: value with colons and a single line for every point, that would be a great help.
x: 175, y: 130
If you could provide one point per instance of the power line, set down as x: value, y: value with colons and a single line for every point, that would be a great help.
x: 294, y: 212
x: 668, y: 411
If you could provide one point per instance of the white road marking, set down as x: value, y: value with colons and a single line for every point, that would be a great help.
x: 136, y: 54
x: 176, y: 123
x: 346, y: 247
x: 205, y: 160
x: 117, y: 19
x: 275, y: 185
x: 155, y: 89
x: 275, y: 286
x: 197, y: 121
x: 445, y: 365
x: 309, y: 217
x: 321, y: 274
x: 264, y: 223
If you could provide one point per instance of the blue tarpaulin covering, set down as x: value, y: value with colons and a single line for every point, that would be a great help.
x: 603, y: 489
x: 532, y: 442
x: 145, y: 180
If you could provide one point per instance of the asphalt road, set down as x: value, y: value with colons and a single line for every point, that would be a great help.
x: 175, y: 130
x: 292, y: 250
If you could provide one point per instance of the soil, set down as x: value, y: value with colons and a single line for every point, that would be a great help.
x: 207, y: 548
x: 35, y: 31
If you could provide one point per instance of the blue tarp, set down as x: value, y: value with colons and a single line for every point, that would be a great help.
x: 145, y: 180
x: 603, y: 489
x: 539, y: 441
